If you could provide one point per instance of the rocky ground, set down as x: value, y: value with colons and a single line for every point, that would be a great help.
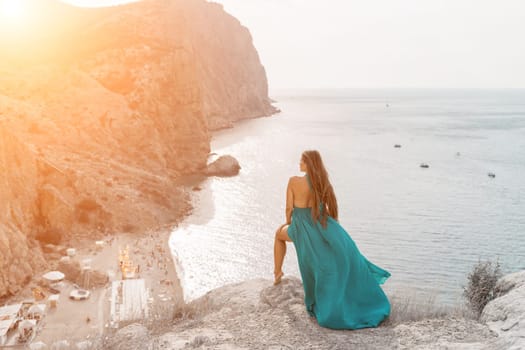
x: 257, y: 315
x: 505, y: 315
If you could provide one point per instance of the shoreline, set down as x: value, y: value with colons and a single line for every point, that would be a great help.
x: 88, y: 320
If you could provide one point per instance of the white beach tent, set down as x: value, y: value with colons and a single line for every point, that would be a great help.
x: 37, y: 311
x: 54, y: 276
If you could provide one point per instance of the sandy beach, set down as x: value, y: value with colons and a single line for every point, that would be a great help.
x: 85, y: 320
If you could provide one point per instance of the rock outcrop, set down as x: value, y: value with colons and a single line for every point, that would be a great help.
x: 223, y: 166
x: 244, y: 93
x: 257, y: 315
x: 102, y: 110
x: 19, y: 209
x: 505, y: 315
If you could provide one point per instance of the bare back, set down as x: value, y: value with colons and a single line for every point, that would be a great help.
x: 298, y: 195
x: 302, y: 194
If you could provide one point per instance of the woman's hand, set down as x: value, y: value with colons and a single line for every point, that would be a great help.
x: 289, y: 202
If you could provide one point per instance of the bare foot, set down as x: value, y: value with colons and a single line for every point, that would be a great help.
x: 278, y: 278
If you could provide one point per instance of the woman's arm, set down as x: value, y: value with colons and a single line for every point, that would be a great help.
x: 289, y: 202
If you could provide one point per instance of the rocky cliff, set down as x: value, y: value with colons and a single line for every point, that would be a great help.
x: 505, y: 315
x: 102, y: 111
x: 232, y: 91
x: 257, y: 315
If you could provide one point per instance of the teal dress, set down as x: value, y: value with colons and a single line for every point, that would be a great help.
x: 341, y: 287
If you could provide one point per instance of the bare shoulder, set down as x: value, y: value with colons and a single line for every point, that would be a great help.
x: 295, y: 180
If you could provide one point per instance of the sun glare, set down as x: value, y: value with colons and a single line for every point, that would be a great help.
x: 12, y: 9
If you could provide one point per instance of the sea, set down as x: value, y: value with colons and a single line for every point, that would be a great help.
x: 427, y: 226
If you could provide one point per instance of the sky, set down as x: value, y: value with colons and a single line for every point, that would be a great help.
x: 385, y: 43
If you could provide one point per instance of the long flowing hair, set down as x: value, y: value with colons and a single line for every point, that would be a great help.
x: 325, y: 203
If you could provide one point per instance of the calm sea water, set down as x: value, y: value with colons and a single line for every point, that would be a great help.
x: 428, y: 227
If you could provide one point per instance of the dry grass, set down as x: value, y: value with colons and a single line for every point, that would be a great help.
x: 411, y: 307
x: 193, y: 311
x: 481, y: 285
x: 199, y: 341
x: 162, y: 318
x: 407, y: 308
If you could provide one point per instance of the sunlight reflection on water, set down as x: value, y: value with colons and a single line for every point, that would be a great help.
x: 426, y: 226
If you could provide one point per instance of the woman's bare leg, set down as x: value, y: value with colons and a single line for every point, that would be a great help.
x: 279, y: 251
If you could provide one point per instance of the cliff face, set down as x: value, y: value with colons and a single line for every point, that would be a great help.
x: 244, y: 91
x: 101, y: 110
x: 18, y: 208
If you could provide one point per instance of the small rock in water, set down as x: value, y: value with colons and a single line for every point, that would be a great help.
x: 492, y: 175
x: 223, y: 166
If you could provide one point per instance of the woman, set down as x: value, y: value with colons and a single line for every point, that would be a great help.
x: 341, y: 287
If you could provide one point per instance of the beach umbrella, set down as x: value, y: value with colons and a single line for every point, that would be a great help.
x: 54, y: 276
x: 35, y: 310
x: 79, y: 294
